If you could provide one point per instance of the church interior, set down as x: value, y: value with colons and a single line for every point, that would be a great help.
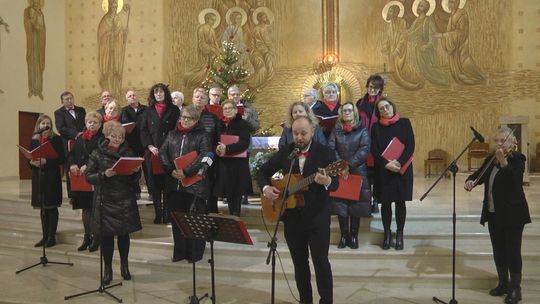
x: 446, y: 75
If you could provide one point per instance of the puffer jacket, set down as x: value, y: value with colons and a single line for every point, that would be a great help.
x: 353, y: 147
x: 177, y: 144
x: 116, y: 194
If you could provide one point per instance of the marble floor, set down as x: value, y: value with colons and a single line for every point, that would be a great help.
x: 366, y: 275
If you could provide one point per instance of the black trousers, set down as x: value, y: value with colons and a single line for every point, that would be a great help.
x: 191, y: 250
x: 506, y: 243
x: 304, y: 236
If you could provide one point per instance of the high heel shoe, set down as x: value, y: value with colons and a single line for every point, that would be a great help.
x: 85, y: 243
x: 40, y: 243
x: 124, y: 271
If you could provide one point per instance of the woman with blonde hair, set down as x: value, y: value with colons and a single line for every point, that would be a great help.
x: 505, y: 209
x: 295, y: 110
x: 115, y: 211
x: 77, y: 163
x: 46, y: 180
x: 351, y: 142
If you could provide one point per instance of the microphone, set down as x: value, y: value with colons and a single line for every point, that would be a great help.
x: 294, y: 153
x: 40, y: 131
x: 206, y: 162
x: 477, y: 135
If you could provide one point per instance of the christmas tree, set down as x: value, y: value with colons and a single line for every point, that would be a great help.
x: 226, y: 71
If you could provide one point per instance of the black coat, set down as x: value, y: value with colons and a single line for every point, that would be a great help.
x: 50, y: 181
x: 354, y: 147
x: 317, y: 202
x: 176, y: 144
x: 320, y: 109
x: 234, y: 177
x: 211, y: 125
x: 511, y: 209
x: 391, y: 186
x: 116, y: 193
x: 67, y: 126
x: 154, y: 129
x: 134, y: 138
x: 79, y: 156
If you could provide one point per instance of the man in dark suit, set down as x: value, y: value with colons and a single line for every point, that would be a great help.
x: 307, y: 228
x: 134, y: 112
x: 69, y: 121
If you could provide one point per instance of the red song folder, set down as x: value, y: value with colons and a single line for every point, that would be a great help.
x: 183, y: 162
x: 129, y: 127
x: 79, y: 183
x: 348, y: 188
x: 327, y: 123
x: 45, y: 150
x: 232, y: 139
x: 126, y: 165
x: 157, y: 167
x: 393, y: 151
x: 218, y: 111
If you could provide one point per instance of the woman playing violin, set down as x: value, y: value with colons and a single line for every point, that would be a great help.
x: 505, y: 210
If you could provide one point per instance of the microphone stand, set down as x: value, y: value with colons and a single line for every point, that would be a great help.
x: 454, y: 169
x: 43, y: 260
x: 273, y: 241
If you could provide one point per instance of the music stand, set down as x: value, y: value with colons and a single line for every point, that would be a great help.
x: 212, y: 227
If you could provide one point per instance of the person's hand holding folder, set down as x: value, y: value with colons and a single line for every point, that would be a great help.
x: 393, y: 166
x: 178, y: 174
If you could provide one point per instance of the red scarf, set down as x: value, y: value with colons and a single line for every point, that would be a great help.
x: 347, y: 127
x: 226, y: 121
x: 389, y: 121
x: 87, y: 135
x: 160, y: 108
x: 109, y: 118
x: 330, y: 104
x: 183, y: 130
x: 43, y: 139
x: 372, y: 99
x: 113, y: 148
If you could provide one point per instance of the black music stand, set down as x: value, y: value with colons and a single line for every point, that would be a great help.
x: 212, y: 227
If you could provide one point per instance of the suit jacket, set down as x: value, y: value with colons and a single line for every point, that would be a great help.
x: 317, y: 201
x: 154, y: 129
x: 67, y: 126
x: 134, y: 138
x: 511, y: 207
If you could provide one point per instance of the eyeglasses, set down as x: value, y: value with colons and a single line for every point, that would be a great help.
x: 187, y: 118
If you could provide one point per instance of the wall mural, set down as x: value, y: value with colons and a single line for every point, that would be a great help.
x: 6, y: 28
x: 112, y: 38
x: 34, y: 26
x: 411, y: 48
x: 249, y: 27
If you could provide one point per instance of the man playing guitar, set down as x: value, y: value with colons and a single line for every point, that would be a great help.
x: 306, y: 228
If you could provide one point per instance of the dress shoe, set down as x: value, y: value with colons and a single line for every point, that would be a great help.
x: 387, y: 241
x: 513, y: 296
x: 499, y: 290
x: 40, y: 243
x: 353, y: 244
x: 94, y: 245
x: 124, y: 271
x: 344, y: 241
x: 107, y: 275
x: 86, y: 242
x: 50, y: 242
x: 399, y: 240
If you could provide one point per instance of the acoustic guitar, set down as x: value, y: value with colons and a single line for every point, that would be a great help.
x: 295, y: 198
